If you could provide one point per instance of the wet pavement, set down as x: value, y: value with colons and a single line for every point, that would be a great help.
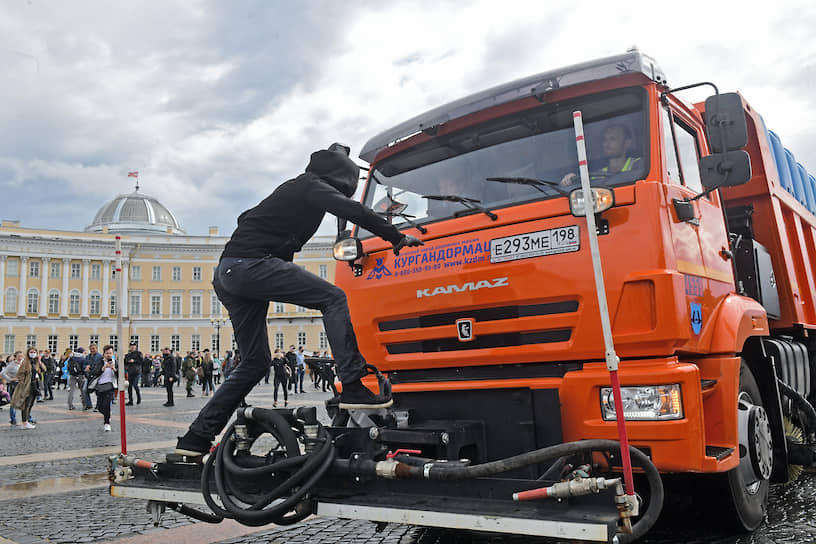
x: 53, y: 490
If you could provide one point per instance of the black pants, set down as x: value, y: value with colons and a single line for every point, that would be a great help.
x: 48, y: 391
x: 103, y: 403
x: 280, y: 381
x: 133, y: 383
x: 246, y: 286
x: 168, y: 385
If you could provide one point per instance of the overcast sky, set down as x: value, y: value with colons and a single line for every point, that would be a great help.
x: 215, y: 103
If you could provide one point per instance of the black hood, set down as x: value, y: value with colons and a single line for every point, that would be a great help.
x: 336, y: 169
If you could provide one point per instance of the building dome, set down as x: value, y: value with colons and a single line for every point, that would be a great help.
x: 135, y: 213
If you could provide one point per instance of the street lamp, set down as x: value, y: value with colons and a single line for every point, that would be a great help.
x: 217, y: 323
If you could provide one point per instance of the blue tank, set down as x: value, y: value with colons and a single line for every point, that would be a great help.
x: 809, y: 196
x: 812, y: 181
x: 796, y: 176
x: 781, y: 162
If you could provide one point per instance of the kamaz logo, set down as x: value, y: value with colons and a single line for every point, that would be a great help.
x: 469, y: 286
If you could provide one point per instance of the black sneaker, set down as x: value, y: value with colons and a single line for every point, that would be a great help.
x: 357, y: 396
x: 192, y: 445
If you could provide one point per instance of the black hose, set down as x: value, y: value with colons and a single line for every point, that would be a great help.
x: 193, y: 513
x: 441, y: 471
x: 289, y: 500
x: 800, y: 401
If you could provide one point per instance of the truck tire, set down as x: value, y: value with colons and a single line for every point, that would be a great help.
x: 746, y: 486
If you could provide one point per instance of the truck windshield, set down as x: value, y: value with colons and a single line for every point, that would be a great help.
x: 537, y: 144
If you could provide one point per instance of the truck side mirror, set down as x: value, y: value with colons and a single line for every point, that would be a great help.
x: 725, y: 169
x: 726, y: 127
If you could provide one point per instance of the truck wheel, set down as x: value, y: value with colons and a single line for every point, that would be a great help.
x: 747, y: 484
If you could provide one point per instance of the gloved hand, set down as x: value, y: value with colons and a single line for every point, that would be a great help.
x: 409, y: 241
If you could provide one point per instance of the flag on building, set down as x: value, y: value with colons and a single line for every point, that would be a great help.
x: 133, y: 174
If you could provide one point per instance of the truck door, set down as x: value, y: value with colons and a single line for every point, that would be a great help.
x: 699, y: 242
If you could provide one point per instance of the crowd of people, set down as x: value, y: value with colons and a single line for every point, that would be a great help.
x: 30, y: 376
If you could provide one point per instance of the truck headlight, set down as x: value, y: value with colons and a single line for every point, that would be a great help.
x: 602, y: 200
x: 349, y: 249
x: 644, y: 402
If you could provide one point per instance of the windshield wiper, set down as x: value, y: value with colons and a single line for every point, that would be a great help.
x: 469, y: 203
x: 406, y: 217
x: 533, y: 182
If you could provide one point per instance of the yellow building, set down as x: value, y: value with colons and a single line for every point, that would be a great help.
x: 58, y: 288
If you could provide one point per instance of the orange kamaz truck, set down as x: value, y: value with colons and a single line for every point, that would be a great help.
x: 490, y: 335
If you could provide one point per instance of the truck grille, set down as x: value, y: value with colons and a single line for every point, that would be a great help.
x: 483, y: 314
x: 480, y: 342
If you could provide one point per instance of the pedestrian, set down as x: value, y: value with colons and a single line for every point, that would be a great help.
x: 104, y: 375
x: 76, y: 380
x: 216, y: 369
x: 9, y: 377
x: 27, y: 385
x: 227, y: 364
x: 279, y: 377
x: 256, y: 267
x: 147, y: 370
x: 207, y: 373
x: 93, y: 358
x: 156, y: 369
x: 133, y: 372
x: 169, y: 371
x: 189, y: 368
x: 291, y: 360
x: 63, y: 364
x: 301, y: 369
x: 50, y: 366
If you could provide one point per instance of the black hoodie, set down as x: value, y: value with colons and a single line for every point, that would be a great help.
x: 285, y: 220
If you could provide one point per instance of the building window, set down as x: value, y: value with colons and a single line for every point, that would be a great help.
x: 301, y: 338
x: 56, y: 268
x: 95, y: 303
x: 323, y: 271
x: 176, y: 273
x: 195, y: 342
x: 134, y: 339
x: 11, y: 301
x: 279, y: 308
x: 300, y: 309
x: 155, y: 341
x: 155, y: 305
x: 12, y: 268
x: 96, y: 271
x: 8, y: 343
x: 279, y: 340
x: 324, y: 340
x: 196, y: 273
x: 175, y: 305
x: 33, y: 269
x: 113, y: 340
x: 156, y: 273
x: 233, y: 343
x: 33, y: 300
x: 113, y: 272
x: 175, y: 342
x: 73, y: 342
x: 113, y: 307
x: 31, y: 340
x: 53, y: 302
x: 76, y: 271
x: 53, y: 341
x: 215, y: 305
x: 73, y: 302
x: 136, y: 272
x: 195, y: 305
x: 135, y: 305
x: 214, y: 343
x: 93, y: 339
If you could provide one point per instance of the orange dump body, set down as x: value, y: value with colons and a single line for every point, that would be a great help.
x: 676, y: 315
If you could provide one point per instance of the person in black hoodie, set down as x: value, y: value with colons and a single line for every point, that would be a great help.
x: 256, y: 267
x: 133, y: 367
x: 169, y: 369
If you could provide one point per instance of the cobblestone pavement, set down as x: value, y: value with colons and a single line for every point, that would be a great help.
x: 72, y: 444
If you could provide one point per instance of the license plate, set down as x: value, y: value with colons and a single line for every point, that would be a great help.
x: 535, y: 244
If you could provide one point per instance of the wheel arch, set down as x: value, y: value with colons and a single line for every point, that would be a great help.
x: 764, y: 371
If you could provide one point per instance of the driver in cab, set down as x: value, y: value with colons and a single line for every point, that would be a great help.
x: 617, y: 150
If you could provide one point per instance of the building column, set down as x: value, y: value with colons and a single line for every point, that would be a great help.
x: 21, y: 296
x: 123, y: 307
x: 105, y: 289
x: 66, y: 272
x: 44, y: 287
x: 86, y: 273
x: 2, y: 285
